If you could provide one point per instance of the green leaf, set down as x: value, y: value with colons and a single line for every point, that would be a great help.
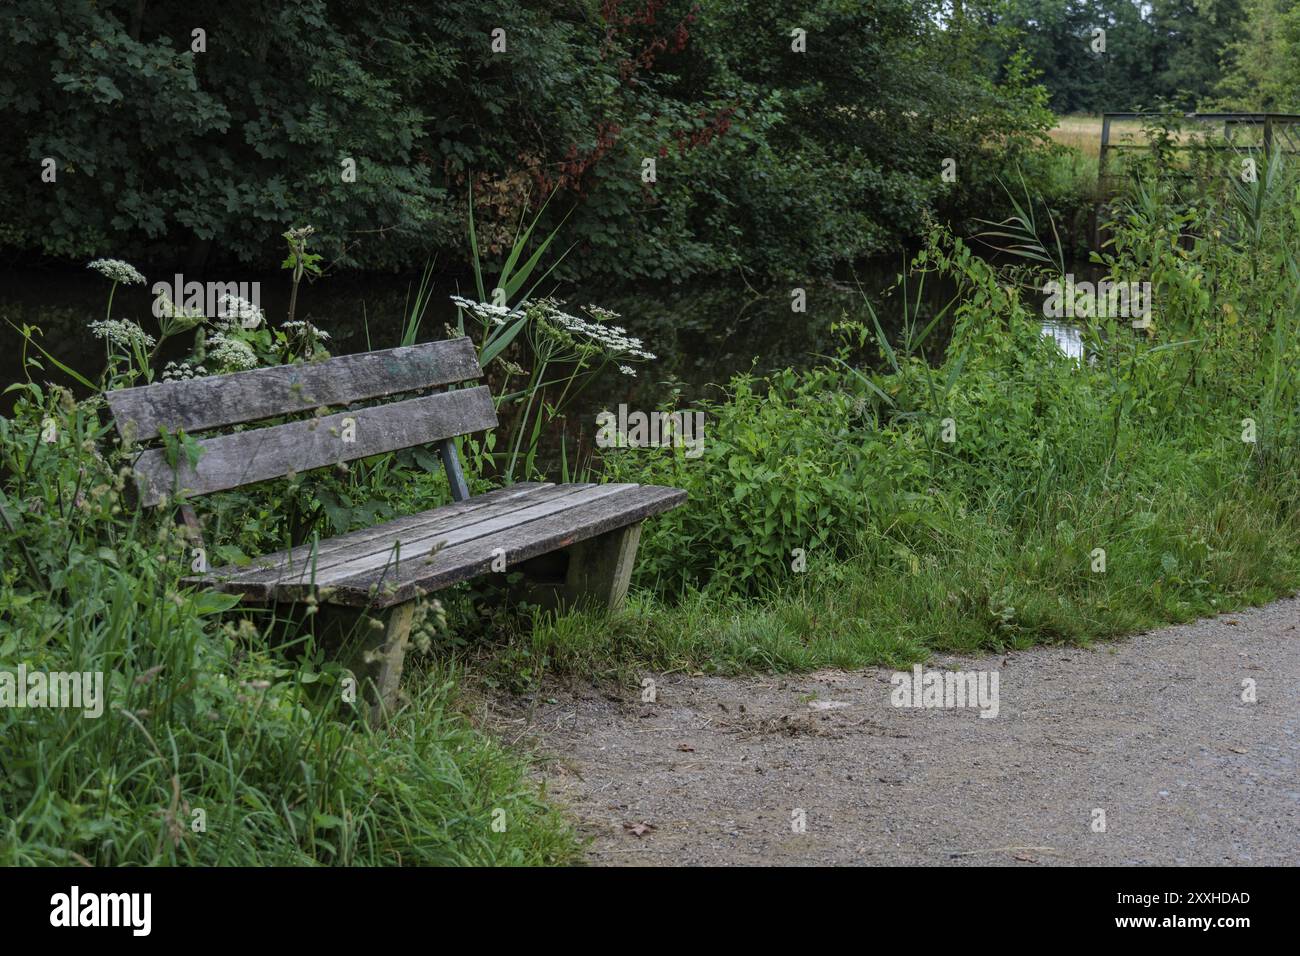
x: 213, y: 602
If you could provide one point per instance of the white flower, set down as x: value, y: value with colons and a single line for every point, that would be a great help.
x: 117, y: 270
x: 234, y: 308
x: 484, y: 310
x: 121, y: 332
x: 182, y: 371
x: 627, y: 370
x: 231, y: 354
x: 612, y: 339
x: 301, y: 329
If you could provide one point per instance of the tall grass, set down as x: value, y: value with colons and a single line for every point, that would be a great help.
x: 1171, y: 448
x: 216, y: 746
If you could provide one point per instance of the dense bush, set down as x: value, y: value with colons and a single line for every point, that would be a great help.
x: 767, y: 159
x: 1138, y: 449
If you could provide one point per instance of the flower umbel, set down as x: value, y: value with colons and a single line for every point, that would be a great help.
x: 117, y: 270
x: 121, y: 332
x: 229, y: 354
x: 610, y: 338
x: 182, y: 371
x: 232, y: 309
x: 484, y: 310
x: 300, y: 329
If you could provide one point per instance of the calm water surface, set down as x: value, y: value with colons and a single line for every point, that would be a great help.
x: 702, y: 333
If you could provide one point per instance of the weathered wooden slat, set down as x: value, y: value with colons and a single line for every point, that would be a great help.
x: 272, y: 567
x: 204, y: 403
x: 470, y: 558
x: 552, y: 533
x: 374, y: 556
x: 380, y: 539
x: 229, y: 461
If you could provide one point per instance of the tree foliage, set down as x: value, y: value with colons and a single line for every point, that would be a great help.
x: 172, y: 145
x: 1156, y: 51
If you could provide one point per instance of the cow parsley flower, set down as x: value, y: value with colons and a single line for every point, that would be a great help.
x: 122, y: 332
x: 600, y: 334
x: 300, y: 330
x: 612, y: 338
x: 182, y: 371
x: 233, y: 309
x: 117, y: 270
x: 484, y: 310
x: 627, y: 370
x: 230, y: 354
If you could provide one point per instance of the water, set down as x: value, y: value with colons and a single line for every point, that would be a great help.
x: 702, y: 333
x: 1068, y: 337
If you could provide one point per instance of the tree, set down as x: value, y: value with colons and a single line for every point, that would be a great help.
x: 680, y: 137
x: 1262, y: 66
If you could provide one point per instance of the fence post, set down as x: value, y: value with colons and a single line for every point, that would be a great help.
x: 1101, y: 155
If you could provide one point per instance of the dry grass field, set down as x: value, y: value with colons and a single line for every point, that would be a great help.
x: 1080, y: 132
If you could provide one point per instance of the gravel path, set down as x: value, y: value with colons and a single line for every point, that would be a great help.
x: 1152, y: 730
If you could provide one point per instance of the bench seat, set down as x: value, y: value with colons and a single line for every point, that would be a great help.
x: 397, y: 561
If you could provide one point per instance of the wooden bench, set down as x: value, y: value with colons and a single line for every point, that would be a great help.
x: 381, y: 571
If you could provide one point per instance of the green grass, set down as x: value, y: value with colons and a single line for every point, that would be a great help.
x: 215, y: 748
x: 915, y: 544
x: 985, y: 589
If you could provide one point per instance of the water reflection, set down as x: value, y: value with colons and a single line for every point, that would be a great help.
x: 703, y: 333
x: 1068, y: 337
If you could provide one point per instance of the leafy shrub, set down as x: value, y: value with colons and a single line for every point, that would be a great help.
x: 769, y: 160
x: 1007, y: 432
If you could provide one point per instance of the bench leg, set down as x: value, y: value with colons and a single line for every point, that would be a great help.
x: 383, y: 660
x: 601, y: 567
x: 374, y: 654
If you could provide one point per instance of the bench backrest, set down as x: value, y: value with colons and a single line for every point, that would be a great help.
x: 256, y: 454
